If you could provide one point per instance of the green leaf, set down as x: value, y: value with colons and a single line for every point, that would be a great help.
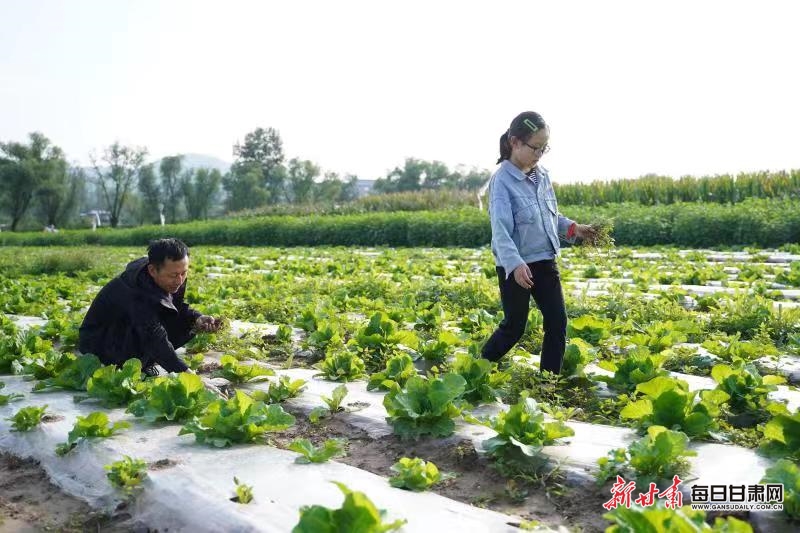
x: 478, y: 376
x: 424, y: 406
x: 173, y: 398
x: 94, y: 425
x: 341, y: 366
x: 782, y: 436
x: 318, y: 413
x: 311, y: 454
x: 358, y: 515
x: 244, y: 493
x: 415, y: 474
x: 116, y: 387
x: 74, y: 377
x: 281, y: 390
x: 127, y: 473
x: 236, y: 372
x: 398, y: 369
x: 788, y: 473
x: 637, y: 410
x: 237, y: 420
x: 522, y: 432
x: 27, y: 418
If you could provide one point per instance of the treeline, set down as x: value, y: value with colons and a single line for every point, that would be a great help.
x: 756, y: 222
x: 655, y: 190
x: 39, y: 187
x: 37, y: 184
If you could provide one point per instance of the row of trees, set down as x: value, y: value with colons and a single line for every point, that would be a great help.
x: 37, y: 182
x: 418, y: 175
x: 36, y: 175
x: 261, y: 176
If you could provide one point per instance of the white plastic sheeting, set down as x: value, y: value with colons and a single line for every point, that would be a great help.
x: 194, y: 494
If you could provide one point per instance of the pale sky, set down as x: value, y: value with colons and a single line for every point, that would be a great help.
x: 628, y: 88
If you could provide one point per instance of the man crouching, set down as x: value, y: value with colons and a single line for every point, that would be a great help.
x: 141, y: 312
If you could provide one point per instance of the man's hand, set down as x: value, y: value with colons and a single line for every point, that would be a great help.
x: 208, y: 324
x: 523, y: 276
x: 585, y: 232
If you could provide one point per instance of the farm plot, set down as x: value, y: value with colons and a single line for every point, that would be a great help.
x: 362, y: 365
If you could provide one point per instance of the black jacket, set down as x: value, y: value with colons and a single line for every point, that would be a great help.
x: 132, y: 317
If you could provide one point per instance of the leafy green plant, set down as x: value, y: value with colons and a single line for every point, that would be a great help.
x: 6, y: 398
x: 280, y: 391
x: 398, y: 369
x: 482, y: 385
x: 521, y: 435
x: 284, y: 334
x: 114, y: 386
x: 195, y: 361
x: 46, y: 364
x: 334, y: 404
x: 382, y: 334
x: 638, y: 366
x: 425, y: 406
x: 731, y: 348
x: 658, y: 456
x: 342, y: 365
x: 236, y: 372
x: 782, y: 435
x: 437, y: 350
x: 127, y: 473
x: 74, y: 377
x: 94, y: 425
x: 20, y: 347
x: 327, y: 334
x: 237, y: 420
x: 589, y: 328
x: 746, y: 389
x: 577, y: 355
x: 669, y: 403
x: 312, y: 454
x: 788, y: 473
x: 199, y: 344
x: 27, y: 418
x: 173, y: 398
x: 357, y: 513
x: 659, y: 336
x: 659, y: 518
x: 244, y: 493
x: 415, y: 474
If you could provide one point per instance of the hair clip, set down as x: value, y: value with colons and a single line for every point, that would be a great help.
x: 534, y: 128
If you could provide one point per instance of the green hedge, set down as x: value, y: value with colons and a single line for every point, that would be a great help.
x: 754, y: 222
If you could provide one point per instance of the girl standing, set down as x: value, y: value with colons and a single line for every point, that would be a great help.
x: 526, y: 227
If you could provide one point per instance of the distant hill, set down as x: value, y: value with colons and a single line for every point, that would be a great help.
x: 201, y: 161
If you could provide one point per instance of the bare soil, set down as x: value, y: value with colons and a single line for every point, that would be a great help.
x: 29, y: 502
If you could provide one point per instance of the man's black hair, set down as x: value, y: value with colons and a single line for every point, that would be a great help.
x: 162, y: 249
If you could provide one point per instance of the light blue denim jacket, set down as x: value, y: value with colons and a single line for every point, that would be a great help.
x: 526, y: 224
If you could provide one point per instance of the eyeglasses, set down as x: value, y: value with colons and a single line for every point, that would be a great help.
x: 542, y: 150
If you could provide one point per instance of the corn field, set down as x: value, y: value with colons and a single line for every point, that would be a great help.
x: 653, y: 190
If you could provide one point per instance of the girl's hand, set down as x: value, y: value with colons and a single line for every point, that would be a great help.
x: 523, y: 276
x: 585, y: 232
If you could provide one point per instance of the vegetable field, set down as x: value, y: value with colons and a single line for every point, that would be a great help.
x: 355, y: 399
